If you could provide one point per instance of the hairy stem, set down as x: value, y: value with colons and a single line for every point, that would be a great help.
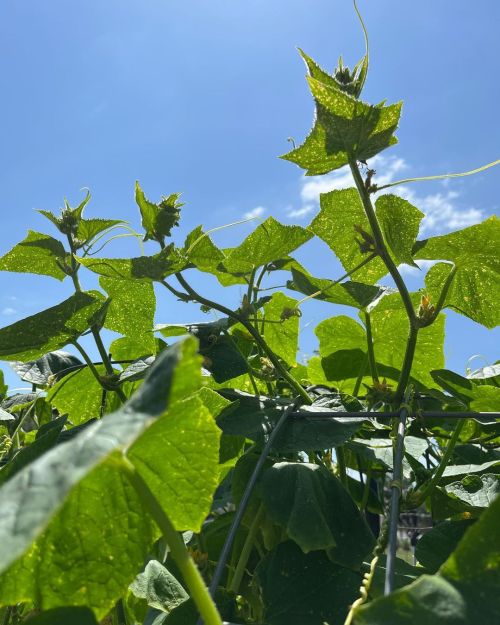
x: 255, y: 335
x: 74, y: 265
x: 371, y: 352
x: 189, y: 570
x: 380, y: 243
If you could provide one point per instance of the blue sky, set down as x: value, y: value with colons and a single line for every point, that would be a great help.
x: 200, y: 97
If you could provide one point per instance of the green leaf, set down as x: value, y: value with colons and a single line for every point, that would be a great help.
x: 64, y: 616
x: 88, y: 229
x: 316, y: 511
x: 53, y: 365
x: 304, y: 589
x: 252, y: 417
x: 269, y: 241
x: 349, y: 293
x: 201, y: 251
x: 37, y: 253
x: 158, y: 219
x: 143, y: 268
x: 79, y: 395
x: 31, y: 452
x: 475, y: 289
x: 281, y: 333
x: 486, y: 399
x: 389, y: 334
x: 51, y: 329
x: 159, y: 587
x: 137, y: 370
x: 459, y: 470
x: 132, y: 310
x: 455, y: 384
x: 400, y: 223
x: 92, y: 562
x: 477, y: 491
x: 342, y: 210
x: 464, y: 591
x: 182, y: 479
x: 345, y: 129
x: 435, y: 546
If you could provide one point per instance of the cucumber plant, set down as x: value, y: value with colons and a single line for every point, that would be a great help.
x: 197, y: 471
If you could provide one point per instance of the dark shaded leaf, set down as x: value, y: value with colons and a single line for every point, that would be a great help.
x: 316, y: 511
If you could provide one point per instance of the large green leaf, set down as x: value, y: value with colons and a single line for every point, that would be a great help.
x: 464, y: 591
x: 475, y: 289
x: 348, y: 293
x: 316, y: 511
x: 342, y: 210
x: 269, y: 241
x: 73, y: 530
x: 79, y: 395
x: 51, y: 329
x: 389, y: 334
x: 253, y: 417
x: 142, y: 268
x: 64, y: 616
x: 345, y: 129
x: 477, y: 491
x: 304, y: 589
x: 400, y: 223
x: 435, y: 547
x: 200, y: 250
x: 131, y: 310
x: 281, y: 331
x: 37, y: 253
x: 50, y: 366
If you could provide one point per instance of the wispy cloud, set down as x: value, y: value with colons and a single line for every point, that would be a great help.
x: 422, y: 269
x: 8, y: 311
x: 442, y: 209
x: 258, y: 211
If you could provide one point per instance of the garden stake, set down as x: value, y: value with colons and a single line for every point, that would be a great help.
x: 396, y: 489
x: 221, y: 564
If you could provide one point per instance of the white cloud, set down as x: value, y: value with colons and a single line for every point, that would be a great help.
x: 441, y: 212
x: 441, y: 209
x: 300, y: 212
x: 423, y: 268
x: 9, y: 311
x: 258, y: 211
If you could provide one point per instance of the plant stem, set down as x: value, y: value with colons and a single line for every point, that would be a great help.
x: 396, y: 276
x: 106, y: 361
x: 255, y: 334
x: 88, y: 361
x: 419, y: 497
x: 74, y: 265
x: 249, y: 368
x: 246, y: 551
x: 371, y: 352
x: 359, y: 379
x: 379, y: 241
x: 341, y: 465
x: 411, y: 345
x: 189, y: 570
